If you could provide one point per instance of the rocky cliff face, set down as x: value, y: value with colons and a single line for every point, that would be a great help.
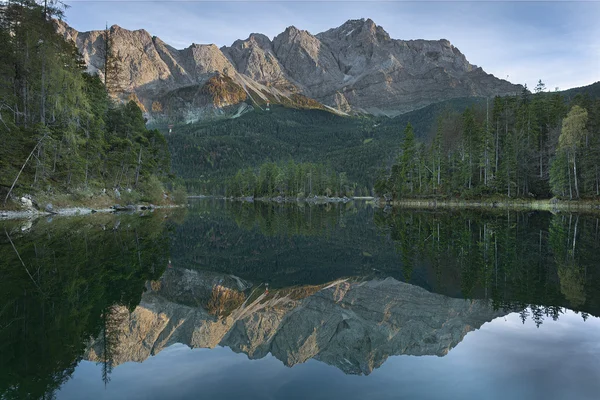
x: 354, y: 326
x: 356, y: 67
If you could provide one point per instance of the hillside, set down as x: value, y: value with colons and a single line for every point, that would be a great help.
x: 205, y: 153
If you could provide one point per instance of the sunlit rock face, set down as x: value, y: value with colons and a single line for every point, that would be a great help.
x: 356, y: 67
x: 353, y: 325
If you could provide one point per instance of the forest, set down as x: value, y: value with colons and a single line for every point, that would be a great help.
x: 65, y: 131
x: 206, y: 154
x: 291, y: 180
x: 78, y: 269
x: 531, y: 145
x: 468, y: 147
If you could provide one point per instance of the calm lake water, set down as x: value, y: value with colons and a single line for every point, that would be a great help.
x: 230, y: 300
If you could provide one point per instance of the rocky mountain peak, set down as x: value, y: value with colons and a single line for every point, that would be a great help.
x: 261, y: 40
x: 356, y: 67
x: 356, y: 30
x: 255, y: 39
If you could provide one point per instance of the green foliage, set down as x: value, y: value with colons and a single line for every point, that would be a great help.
x: 80, y: 267
x: 521, y: 146
x: 80, y: 138
x: 206, y: 153
x: 290, y: 180
x: 153, y: 190
x: 572, y: 134
x: 180, y: 195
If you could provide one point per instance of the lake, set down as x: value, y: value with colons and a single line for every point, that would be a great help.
x: 229, y: 300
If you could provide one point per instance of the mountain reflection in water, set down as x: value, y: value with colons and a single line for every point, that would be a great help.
x: 345, y: 285
x: 354, y: 326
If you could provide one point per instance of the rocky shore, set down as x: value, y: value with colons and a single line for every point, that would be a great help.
x: 32, y: 213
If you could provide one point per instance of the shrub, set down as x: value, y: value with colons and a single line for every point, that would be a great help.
x: 152, y: 190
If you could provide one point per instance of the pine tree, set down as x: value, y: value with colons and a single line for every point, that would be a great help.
x: 572, y: 134
x: 112, y: 61
x: 407, y: 163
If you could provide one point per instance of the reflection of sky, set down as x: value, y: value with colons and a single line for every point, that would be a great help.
x: 503, y: 360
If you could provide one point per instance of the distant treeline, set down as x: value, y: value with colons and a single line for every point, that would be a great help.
x: 530, y: 145
x: 292, y: 180
x: 62, y: 129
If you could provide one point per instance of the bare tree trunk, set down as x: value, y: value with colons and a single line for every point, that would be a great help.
x: 137, y: 172
x: 597, y: 188
x: 43, y: 90
x: 55, y: 156
x: 570, y: 185
x: 575, y: 175
x: 497, y: 145
x: 23, y: 167
x: 541, y: 156
x: 575, y: 235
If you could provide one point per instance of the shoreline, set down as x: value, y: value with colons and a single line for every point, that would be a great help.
x: 78, y: 211
x: 551, y: 205
x: 287, y: 200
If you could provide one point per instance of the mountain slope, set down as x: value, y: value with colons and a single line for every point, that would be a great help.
x: 204, y: 153
x: 354, y: 68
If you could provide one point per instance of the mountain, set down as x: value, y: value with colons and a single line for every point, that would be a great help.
x: 354, y: 68
x: 592, y: 91
x: 352, y: 325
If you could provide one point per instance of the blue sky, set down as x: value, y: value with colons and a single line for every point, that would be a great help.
x: 556, y: 41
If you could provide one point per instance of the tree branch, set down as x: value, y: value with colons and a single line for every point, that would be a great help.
x: 22, y: 263
x: 23, y: 167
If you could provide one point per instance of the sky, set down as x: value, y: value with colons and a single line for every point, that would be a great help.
x: 522, y: 41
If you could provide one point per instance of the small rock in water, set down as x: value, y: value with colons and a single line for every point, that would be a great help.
x: 26, y: 202
x: 49, y: 208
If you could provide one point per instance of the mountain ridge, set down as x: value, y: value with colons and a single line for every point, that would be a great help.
x: 354, y: 68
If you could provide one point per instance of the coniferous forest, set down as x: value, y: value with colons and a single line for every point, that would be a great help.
x: 523, y: 146
x: 532, y: 145
x: 64, y: 131
x: 291, y: 180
